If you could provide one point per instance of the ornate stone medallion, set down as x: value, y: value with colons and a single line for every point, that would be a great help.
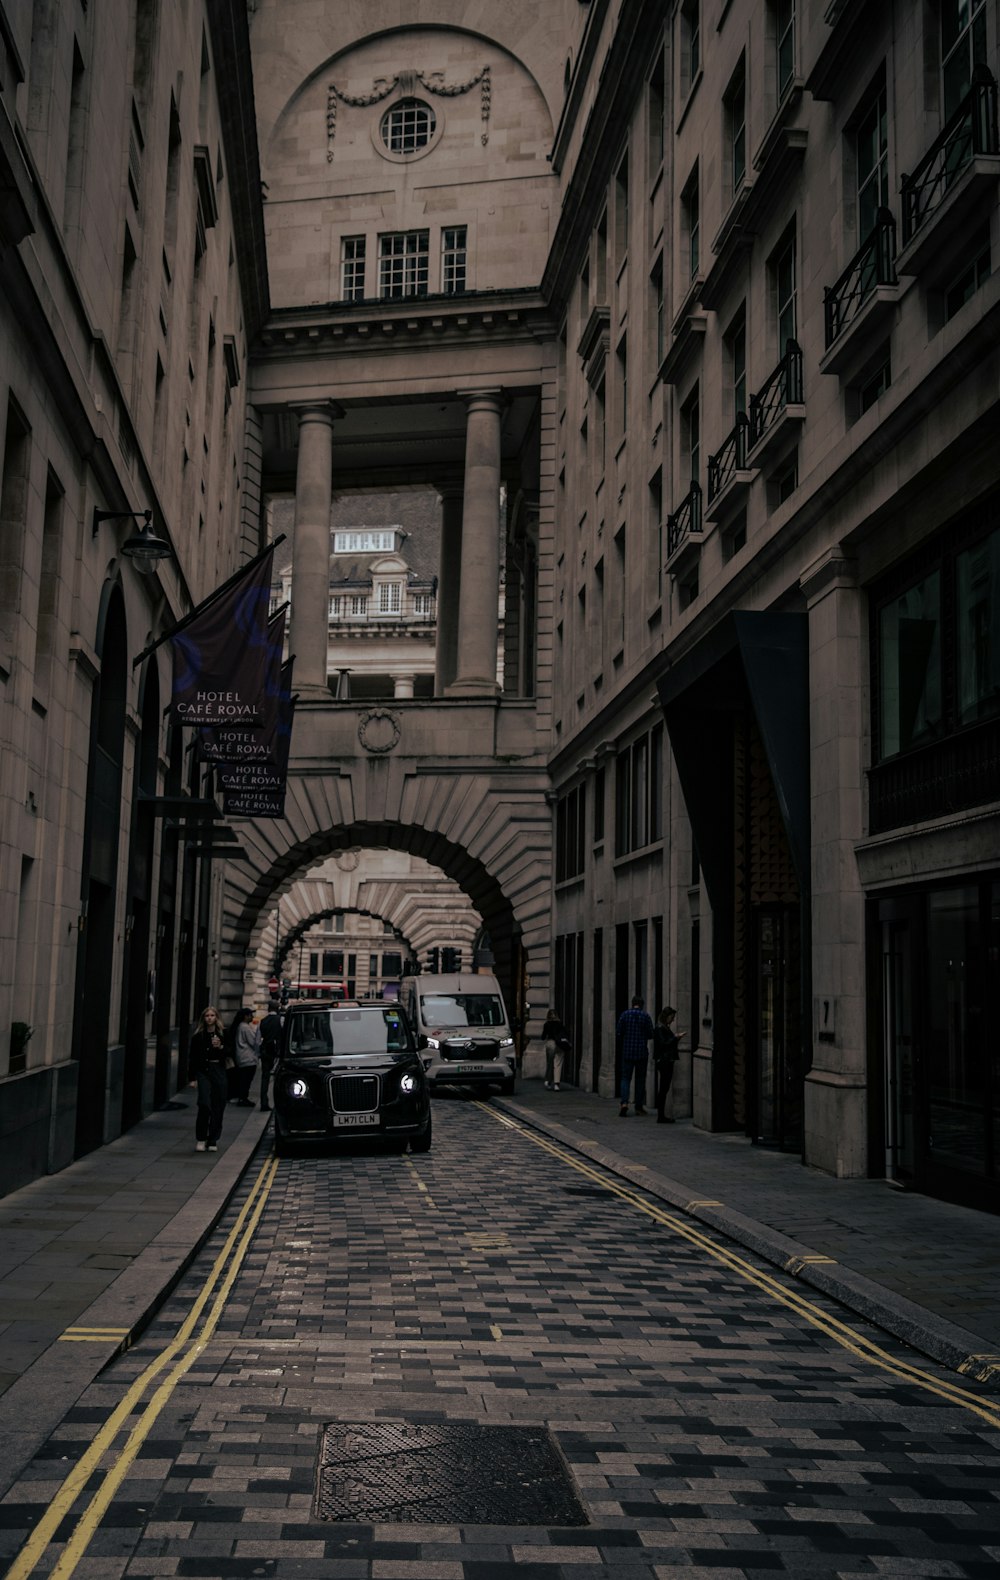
x: 378, y: 730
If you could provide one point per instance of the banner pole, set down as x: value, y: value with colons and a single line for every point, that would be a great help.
x: 206, y: 603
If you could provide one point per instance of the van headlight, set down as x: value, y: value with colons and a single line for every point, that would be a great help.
x: 506, y: 1042
x: 434, y: 1042
x: 408, y: 1083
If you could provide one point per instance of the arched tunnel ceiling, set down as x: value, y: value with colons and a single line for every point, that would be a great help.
x: 469, y: 874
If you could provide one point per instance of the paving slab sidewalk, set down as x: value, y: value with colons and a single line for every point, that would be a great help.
x: 926, y: 1270
x: 100, y: 1245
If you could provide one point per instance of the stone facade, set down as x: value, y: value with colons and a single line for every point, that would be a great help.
x: 132, y: 281
x: 708, y: 294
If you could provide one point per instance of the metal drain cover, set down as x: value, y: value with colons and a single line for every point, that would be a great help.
x: 444, y: 1474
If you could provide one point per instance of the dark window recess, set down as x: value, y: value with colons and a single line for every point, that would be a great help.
x: 935, y: 655
x: 571, y: 833
x: 974, y: 272
x: 639, y: 793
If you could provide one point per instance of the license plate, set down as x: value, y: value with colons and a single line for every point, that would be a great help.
x: 353, y: 1120
x: 472, y: 1069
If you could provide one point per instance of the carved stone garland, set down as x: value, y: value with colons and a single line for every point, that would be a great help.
x: 407, y: 81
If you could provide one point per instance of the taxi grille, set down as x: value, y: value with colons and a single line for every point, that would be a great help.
x: 354, y: 1094
x: 470, y: 1049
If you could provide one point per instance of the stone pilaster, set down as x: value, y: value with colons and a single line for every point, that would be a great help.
x: 835, y: 1089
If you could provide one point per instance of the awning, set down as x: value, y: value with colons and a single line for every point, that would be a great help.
x: 763, y: 657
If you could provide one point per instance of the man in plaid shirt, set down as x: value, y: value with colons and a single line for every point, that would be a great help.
x: 633, y: 1035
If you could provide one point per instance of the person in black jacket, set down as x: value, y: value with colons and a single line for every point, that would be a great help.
x: 207, y: 1054
x: 270, y: 1046
x: 666, y: 1043
x: 557, y: 1044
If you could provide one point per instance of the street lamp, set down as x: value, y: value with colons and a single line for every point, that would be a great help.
x: 144, y: 548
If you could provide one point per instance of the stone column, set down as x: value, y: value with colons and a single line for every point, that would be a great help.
x: 476, y: 674
x: 449, y: 589
x: 309, y: 634
x: 402, y: 685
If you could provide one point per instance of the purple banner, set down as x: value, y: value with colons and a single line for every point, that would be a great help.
x: 221, y: 657
x: 269, y: 742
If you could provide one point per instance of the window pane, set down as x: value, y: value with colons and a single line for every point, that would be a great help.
x: 978, y: 589
x: 910, y: 660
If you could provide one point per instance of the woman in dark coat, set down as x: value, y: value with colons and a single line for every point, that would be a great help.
x: 556, y: 1043
x: 207, y: 1058
x: 666, y: 1043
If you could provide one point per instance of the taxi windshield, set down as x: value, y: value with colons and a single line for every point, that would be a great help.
x: 462, y: 1009
x: 326, y: 1033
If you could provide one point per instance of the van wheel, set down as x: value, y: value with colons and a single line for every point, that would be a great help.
x: 422, y: 1142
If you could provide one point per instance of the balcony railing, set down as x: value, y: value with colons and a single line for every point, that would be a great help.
x: 951, y: 775
x: 873, y: 264
x: 686, y: 519
x: 729, y: 458
x: 782, y: 388
x: 971, y: 131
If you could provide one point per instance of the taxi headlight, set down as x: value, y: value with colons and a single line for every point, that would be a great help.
x: 408, y: 1083
x: 297, y: 1087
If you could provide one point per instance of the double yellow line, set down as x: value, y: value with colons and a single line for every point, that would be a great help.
x: 841, y: 1333
x: 179, y: 1355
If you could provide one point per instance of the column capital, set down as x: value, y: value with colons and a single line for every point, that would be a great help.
x: 316, y: 410
x: 483, y: 399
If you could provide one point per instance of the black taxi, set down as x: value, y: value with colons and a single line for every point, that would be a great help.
x: 349, y: 1071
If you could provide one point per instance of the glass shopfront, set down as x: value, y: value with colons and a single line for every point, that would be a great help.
x: 940, y: 1017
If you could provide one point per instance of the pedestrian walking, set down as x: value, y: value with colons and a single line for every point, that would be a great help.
x: 270, y: 1047
x: 632, y: 1034
x: 666, y: 1044
x: 557, y: 1045
x: 246, y: 1051
x: 208, y: 1053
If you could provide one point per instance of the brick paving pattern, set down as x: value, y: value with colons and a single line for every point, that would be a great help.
x: 707, y: 1426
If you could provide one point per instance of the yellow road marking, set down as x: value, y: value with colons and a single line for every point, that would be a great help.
x: 81, y: 1335
x: 421, y: 1187
x: 840, y: 1332
x: 696, y: 1203
x: 89, y: 1461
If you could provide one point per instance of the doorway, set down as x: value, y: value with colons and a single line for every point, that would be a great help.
x: 776, y: 1090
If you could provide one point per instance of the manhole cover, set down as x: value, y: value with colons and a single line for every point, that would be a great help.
x: 444, y: 1474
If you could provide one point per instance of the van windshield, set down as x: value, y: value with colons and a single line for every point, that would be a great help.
x: 320, y: 1033
x: 462, y: 1009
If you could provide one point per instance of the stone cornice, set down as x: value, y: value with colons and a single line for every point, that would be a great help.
x: 475, y: 315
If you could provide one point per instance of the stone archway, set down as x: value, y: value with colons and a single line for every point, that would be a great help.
x: 452, y: 789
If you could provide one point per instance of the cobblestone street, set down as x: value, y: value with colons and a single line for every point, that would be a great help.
x: 713, y: 1416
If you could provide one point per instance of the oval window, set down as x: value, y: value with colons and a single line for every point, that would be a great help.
x: 408, y: 126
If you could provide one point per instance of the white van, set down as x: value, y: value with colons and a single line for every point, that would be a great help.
x: 462, y: 1029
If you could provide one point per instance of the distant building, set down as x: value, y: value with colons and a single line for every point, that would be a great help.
x: 383, y: 594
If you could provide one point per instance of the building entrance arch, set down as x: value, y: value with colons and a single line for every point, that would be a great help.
x: 480, y: 818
